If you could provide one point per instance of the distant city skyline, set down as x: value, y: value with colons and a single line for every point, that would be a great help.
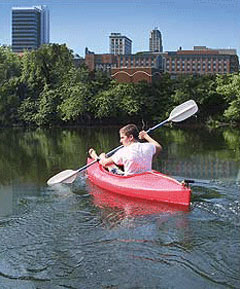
x: 186, y: 23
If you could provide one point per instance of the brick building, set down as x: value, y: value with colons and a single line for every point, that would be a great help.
x: 148, y: 66
x: 127, y: 68
x: 103, y: 62
x: 201, y: 60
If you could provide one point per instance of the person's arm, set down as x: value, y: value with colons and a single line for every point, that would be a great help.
x: 104, y: 161
x: 144, y: 135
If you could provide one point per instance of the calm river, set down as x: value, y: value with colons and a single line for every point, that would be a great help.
x: 78, y: 236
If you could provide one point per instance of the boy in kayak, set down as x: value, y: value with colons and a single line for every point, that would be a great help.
x: 135, y: 157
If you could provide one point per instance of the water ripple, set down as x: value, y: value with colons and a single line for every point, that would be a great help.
x: 69, y: 240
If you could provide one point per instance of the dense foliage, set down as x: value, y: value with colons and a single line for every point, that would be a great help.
x: 44, y: 87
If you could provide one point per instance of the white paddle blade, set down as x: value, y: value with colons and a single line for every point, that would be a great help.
x: 183, y: 111
x: 67, y: 177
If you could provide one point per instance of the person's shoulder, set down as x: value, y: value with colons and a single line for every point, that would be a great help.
x: 147, y: 144
x: 120, y: 151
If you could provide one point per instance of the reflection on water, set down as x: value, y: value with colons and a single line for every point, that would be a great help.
x: 33, y: 156
x: 6, y: 199
x: 120, y: 207
x: 202, y: 155
x: 80, y: 236
x: 202, y: 168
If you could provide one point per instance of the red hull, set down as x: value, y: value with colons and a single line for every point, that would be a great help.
x: 130, y: 206
x: 152, y: 185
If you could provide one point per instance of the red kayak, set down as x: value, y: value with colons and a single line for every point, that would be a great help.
x: 128, y: 206
x: 151, y: 185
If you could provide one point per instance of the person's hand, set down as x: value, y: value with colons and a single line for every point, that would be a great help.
x: 142, y: 134
x: 102, y: 156
x: 93, y: 154
x: 91, y: 150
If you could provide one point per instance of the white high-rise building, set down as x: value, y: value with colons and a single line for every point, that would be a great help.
x: 30, y: 27
x: 119, y: 44
x: 155, y: 41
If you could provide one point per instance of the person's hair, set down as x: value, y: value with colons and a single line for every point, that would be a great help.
x: 130, y: 129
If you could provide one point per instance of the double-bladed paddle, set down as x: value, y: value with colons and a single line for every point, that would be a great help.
x: 179, y: 113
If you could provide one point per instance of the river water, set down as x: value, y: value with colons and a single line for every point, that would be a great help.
x: 78, y: 236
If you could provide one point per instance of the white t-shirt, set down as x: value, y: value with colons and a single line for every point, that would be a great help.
x: 136, y: 158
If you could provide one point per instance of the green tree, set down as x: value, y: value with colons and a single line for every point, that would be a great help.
x: 46, y: 66
x: 230, y: 87
x: 203, y: 89
x: 44, y: 72
x: 27, y: 111
x: 75, y: 94
x: 10, y: 68
x: 161, y: 98
x: 10, y: 64
x: 120, y: 100
x: 9, y: 102
x: 47, y: 112
x: 75, y: 101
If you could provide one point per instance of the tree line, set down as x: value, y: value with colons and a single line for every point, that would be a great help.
x: 43, y: 87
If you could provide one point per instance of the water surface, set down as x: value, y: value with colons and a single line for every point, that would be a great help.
x: 79, y: 236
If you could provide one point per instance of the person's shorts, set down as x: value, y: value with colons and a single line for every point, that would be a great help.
x: 117, y: 171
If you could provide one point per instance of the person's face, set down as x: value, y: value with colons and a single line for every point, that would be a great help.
x: 125, y: 140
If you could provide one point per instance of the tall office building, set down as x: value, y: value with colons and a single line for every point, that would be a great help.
x: 30, y: 27
x: 155, y: 41
x: 120, y: 44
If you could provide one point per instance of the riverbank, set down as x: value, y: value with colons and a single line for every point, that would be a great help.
x: 34, y: 94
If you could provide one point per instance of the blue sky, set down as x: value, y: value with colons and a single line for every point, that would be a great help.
x: 185, y: 23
